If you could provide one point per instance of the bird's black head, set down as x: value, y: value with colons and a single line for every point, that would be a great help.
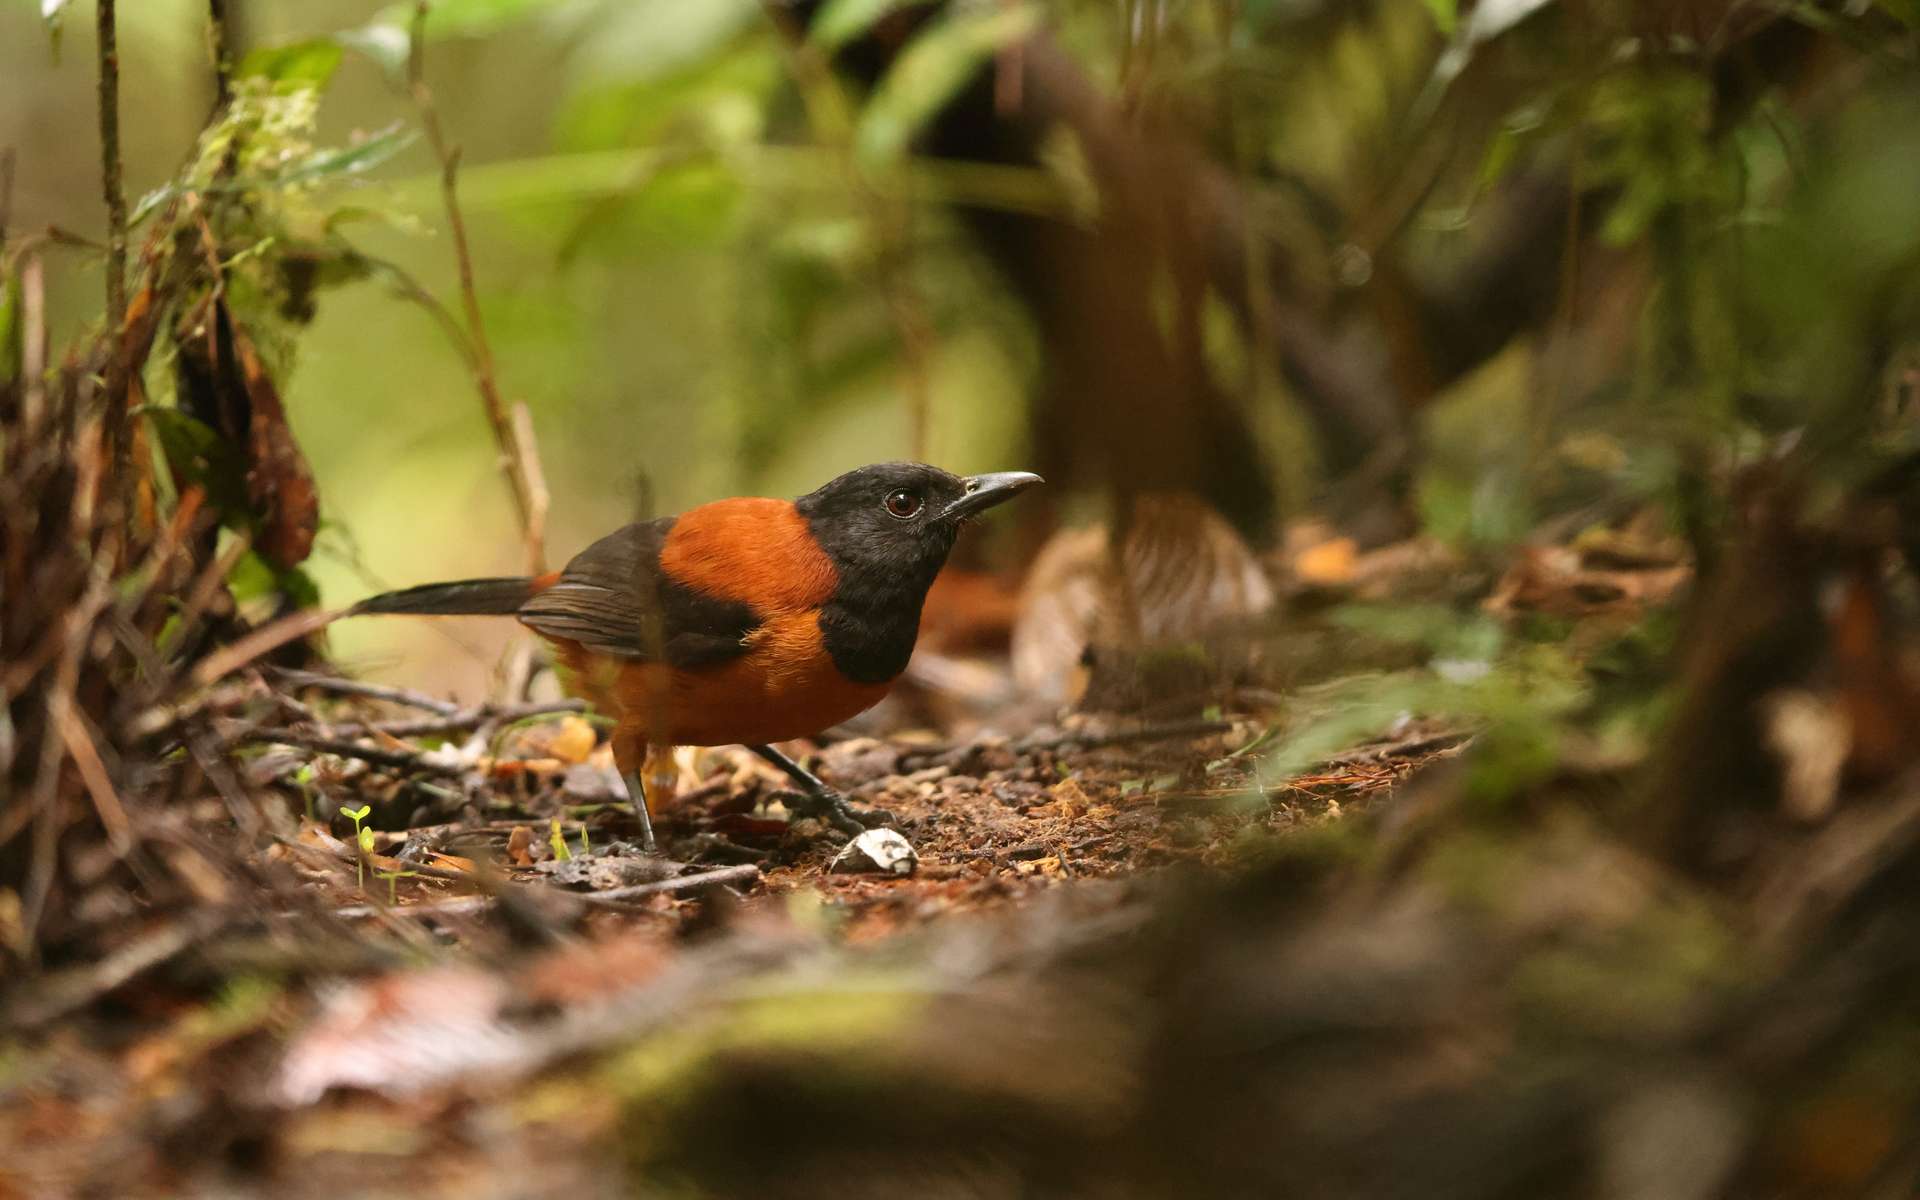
x: 888, y: 529
x: 900, y: 518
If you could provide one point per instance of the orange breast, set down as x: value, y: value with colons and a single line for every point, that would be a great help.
x: 759, y: 551
x: 784, y: 687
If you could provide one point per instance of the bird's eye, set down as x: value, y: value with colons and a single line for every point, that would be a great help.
x: 903, y: 504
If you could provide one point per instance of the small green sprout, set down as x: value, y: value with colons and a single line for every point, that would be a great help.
x: 392, y: 877
x: 362, y: 836
x: 559, y: 844
x: 303, y: 779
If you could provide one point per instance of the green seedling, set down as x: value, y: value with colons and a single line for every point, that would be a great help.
x: 392, y: 877
x: 363, y: 837
x: 559, y: 844
x: 303, y: 779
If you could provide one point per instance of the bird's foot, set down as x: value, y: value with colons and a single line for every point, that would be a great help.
x: 830, y: 806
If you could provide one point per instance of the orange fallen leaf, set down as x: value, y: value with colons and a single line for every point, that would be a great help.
x: 1327, y: 563
x: 572, y: 740
x: 453, y: 862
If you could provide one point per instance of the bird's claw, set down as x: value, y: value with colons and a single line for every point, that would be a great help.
x: 831, y: 807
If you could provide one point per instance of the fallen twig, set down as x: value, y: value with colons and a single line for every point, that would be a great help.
x: 371, y: 691
x: 465, y: 718
x: 741, y: 873
x: 396, y: 759
x: 1169, y: 731
x: 461, y: 905
x: 267, y: 638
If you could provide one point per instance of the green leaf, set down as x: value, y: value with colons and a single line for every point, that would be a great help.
x: 356, y: 814
x: 349, y: 160
x: 840, y: 21
x: 298, y: 587
x: 197, y: 454
x: 305, y: 64
x: 1446, y: 14
x: 326, y: 164
x: 935, y: 66
x: 386, y: 44
x: 251, y: 579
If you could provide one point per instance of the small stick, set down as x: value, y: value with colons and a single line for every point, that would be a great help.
x: 465, y: 718
x: 372, y: 691
x: 1096, y: 741
x: 218, y: 38
x: 115, y: 192
x: 744, y: 873
x: 396, y: 759
x: 263, y: 640
x: 93, y: 773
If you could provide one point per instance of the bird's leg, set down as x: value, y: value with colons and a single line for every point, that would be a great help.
x: 630, y: 750
x: 823, y: 801
x: 637, y: 796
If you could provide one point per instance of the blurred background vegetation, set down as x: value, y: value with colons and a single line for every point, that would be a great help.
x: 1521, y: 258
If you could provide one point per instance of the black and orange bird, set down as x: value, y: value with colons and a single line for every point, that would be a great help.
x: 747, y: 620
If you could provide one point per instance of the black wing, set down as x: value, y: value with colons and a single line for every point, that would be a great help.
x: 612, y: 599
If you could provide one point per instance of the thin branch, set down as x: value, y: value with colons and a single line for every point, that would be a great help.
x: 371, y: 691
x: 1170, y: 731
x: 116, y: 197
x: 516, y: 457
x: 219, y: 41
x: 33, y: 342
x: 267, y: 638
x: 398, y: 760
x: 743, y: 874
x: 466, y: 718
x: 93, y: 773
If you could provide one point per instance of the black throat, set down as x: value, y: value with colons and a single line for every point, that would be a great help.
x: 870, y: 625
x: 884, y: 527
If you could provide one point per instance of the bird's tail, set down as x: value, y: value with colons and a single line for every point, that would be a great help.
x: 462, y: 598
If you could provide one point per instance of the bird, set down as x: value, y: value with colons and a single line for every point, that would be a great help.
x: 742, y: 621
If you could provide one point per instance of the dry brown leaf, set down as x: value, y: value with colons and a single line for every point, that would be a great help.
x: 572, y: 740
x: 520, y: 846
x: 225, y: 384
x: 1181, y: 576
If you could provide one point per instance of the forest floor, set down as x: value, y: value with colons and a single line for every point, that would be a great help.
x: 491, y: 1001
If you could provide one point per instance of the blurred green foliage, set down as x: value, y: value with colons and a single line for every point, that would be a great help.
x: 690, y: 245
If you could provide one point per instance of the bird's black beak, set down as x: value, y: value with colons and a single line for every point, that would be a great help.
x: 985, y: 491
